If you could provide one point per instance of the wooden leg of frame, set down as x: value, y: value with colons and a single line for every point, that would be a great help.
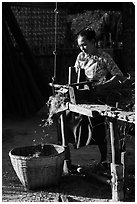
x: 67, y: 161
x: 124, y: 161
x: 116, y: 166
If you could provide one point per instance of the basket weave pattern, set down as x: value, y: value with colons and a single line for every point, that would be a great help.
x: 38, y: 172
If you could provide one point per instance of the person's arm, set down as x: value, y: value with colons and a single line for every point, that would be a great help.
x: 77, y: 64
x: 117, y: 76
x: 112, y: 82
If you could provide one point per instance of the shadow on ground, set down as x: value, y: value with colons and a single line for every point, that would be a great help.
x: 72, y: 188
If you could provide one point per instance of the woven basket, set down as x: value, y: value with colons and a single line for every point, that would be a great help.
x: 38, y: 166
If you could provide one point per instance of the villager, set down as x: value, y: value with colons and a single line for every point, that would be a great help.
x: 98, y: 67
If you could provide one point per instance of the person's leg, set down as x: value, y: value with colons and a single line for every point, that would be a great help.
x: 99, y: 135
x: 103, y: 150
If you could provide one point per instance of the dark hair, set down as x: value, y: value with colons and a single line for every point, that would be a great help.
x: 89, y: 33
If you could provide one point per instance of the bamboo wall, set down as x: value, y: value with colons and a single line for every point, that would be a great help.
x: 38, y: 26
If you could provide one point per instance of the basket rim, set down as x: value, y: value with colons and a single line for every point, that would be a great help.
x: 32, y: 157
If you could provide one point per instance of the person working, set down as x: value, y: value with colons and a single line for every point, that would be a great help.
x: 96, y: 63
x: 99, y: 68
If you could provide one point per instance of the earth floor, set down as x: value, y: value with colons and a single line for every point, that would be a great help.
x: 72, y: 188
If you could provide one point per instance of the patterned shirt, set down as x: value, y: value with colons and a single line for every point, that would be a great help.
x: 97, y: 66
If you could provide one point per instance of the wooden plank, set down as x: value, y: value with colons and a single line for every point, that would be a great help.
x: 103, y: 110
x: 121, y: 115
x: 80, y: 109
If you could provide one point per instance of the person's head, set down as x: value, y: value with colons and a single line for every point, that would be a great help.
x: 87, y: 41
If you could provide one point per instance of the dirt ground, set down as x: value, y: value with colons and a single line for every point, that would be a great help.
x: 72, y: 188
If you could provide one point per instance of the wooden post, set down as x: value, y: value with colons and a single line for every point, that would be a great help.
x: 78, y: 78
x: 72, y: 95
x: 117, y: 182
x: 116, y: 166
x: 124, y: 161
x: 115, y: 145
x: 69, y: 79
x: 67, y: 161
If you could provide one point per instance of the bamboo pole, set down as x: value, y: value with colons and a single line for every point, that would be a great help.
x: 69, y: 79
x: 115, y: 145
x: 124, y: 161
x: 117, y: 182
x: 67, y: 161
x: 116, y: 166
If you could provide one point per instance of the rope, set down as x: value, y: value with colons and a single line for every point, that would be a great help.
x: 55, y: 42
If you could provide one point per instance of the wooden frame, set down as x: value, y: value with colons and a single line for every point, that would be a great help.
x: 118, y: 157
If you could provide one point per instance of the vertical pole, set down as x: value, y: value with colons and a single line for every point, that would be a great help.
x: 78, y: 77
x: 63, y: 129
x: 67, y: 161
x: 124, y: 161
x: 116, y: 166
x: 59, y: 137
x: 69, y: 79
x: 55, y: 42
x: 115, y: 145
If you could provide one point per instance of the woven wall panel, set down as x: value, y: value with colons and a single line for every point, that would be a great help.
x: 38, y: 27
